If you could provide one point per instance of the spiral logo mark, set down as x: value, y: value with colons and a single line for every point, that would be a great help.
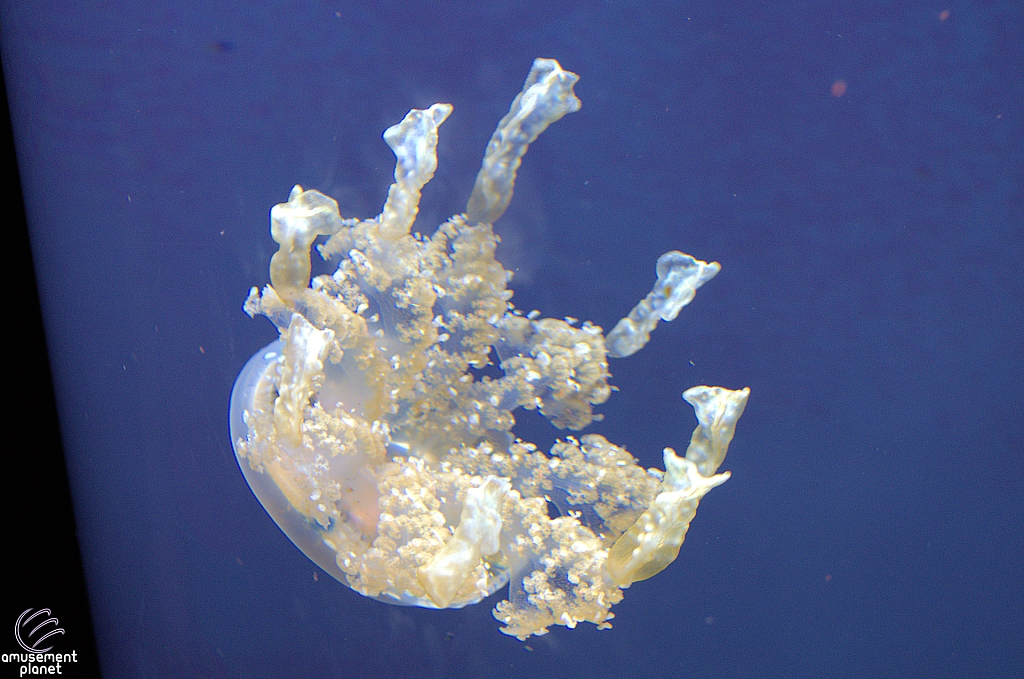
x: 24, y: 638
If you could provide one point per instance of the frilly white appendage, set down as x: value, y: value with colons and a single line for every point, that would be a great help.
x: 414, y: 141
x: 478, y: 535
x: 653, y: 542
x: 294, y: 226
x: 547, y: 96
x: 679, y: 276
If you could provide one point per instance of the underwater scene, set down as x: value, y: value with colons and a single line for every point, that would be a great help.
x: 410, y: 339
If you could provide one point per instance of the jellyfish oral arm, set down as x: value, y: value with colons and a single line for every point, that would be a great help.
x: 477, y: 535
x: 294, y: 226
x: 547, y: 96
x: 367, y: 436
x: 679, y: 276
x: 414, y: 141
x: 653, y: 542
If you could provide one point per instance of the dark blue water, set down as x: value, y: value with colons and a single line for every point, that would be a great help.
x: 871, y: 297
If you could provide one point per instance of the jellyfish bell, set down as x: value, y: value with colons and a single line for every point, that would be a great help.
x: 371, y: 441
x: 305, y: 516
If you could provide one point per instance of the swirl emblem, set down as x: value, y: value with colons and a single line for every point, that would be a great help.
x: 43, y: 630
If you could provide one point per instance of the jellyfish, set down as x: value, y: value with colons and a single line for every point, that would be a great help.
x: 369, y: 434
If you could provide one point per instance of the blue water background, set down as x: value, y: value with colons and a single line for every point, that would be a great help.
x: 871, y: 297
